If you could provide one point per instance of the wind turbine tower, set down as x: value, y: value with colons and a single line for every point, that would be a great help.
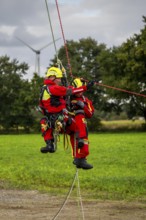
x: 37, y: 52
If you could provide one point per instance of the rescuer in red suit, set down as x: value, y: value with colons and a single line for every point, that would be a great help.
x: 53, y: 105
x: 82, y: 108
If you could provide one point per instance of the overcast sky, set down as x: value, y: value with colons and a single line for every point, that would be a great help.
x: 107, y: 21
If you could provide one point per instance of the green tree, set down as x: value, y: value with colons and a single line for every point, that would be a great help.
x: 125, y: 68
x: 35, y: 86
x: 16, y: 102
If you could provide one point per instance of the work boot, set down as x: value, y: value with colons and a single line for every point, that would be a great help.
x: 49, y: 147
x: 82, y: 163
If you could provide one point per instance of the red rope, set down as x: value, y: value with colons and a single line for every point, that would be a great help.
x: 122, y: 90
x: 115, y: 88
x: 65, y: 44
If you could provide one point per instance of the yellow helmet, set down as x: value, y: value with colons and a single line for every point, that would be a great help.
x: 54, y: 71
x: 77, y: 82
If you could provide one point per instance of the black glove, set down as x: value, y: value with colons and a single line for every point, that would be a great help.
x: 80, y: 104
x: 90, y: 84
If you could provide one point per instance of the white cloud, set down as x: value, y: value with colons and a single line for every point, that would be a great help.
x: 9, y: 30
x: 38, y: 31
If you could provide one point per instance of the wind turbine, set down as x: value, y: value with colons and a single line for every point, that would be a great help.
x: 37, y: 52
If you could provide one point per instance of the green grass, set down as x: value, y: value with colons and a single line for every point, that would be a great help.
x: 119, y: 166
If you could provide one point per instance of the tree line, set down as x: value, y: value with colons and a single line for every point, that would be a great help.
x: 121, y: 66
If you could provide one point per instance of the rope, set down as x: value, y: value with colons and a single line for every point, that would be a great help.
x: 65, y: 44
x: 76, y: 177
x: 68, y: 195
x: 51, y: 29
x: 115, y: 88
x: 79, y: 194
x: 66, y: 141
x: 122, y: 90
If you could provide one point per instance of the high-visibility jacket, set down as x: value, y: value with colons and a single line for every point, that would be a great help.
x: 53, y: 96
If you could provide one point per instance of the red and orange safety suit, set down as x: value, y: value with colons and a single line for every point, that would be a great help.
x: 81, y: 113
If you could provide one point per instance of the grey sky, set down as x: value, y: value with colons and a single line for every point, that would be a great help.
x: 107, y: 21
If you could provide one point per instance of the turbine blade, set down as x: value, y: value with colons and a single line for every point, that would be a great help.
x: 49, y: 44
x: 27, y: 45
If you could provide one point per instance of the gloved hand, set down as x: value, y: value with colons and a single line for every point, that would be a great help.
x: 90, y: 84
x: 80, y: 104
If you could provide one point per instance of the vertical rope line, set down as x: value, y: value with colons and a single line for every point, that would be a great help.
x: 51, y: 29
x: 79, y: 193
x: 78, y: 201
x: 65, y: 44
x: 68, y: 195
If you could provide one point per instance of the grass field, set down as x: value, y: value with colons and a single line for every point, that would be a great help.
x: 119, y: 166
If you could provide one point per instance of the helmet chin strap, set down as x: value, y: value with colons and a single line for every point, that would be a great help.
x: 54, y: 78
